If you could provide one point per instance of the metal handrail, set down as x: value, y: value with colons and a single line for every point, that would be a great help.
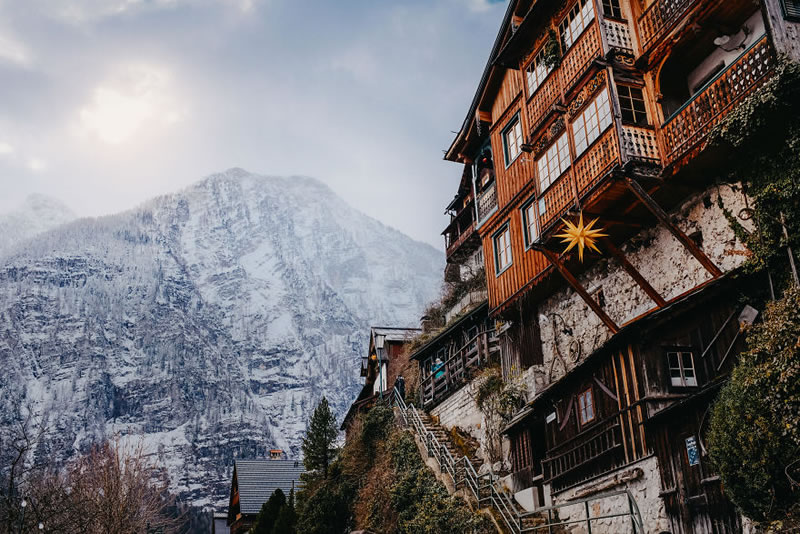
x: 463, y: 473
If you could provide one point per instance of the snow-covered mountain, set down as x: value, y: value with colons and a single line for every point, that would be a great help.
x: 210, y: 321
x: 37, y: 214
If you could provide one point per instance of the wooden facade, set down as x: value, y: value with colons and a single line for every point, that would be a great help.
x: 617, y: 130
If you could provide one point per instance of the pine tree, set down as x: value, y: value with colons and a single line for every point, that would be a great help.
x: 318, y: 443
x: 269, y: 513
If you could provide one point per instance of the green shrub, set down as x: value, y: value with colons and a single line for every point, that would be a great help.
x: 755, y: 423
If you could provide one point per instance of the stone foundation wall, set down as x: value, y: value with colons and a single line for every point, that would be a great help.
x: 460, y: 410
x: 570, y: 330
x: 641, y: 479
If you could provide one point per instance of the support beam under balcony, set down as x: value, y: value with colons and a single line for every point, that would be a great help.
x: 664, y: 219
x: 634, y: 273
x: 553, y: 258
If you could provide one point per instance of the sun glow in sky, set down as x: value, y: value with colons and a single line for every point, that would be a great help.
x: 107, y: 103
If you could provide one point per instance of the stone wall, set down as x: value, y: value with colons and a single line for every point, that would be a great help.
x: 641, y: 479
x: 570, y: 330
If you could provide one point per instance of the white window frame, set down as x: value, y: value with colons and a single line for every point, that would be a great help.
x: 590, y: 123
x: 554, y: 162
x: 530, y: 222
x: 682, y: 380
x: 512, y: 144
x: 501, y: 241
x: 537, y: 72
x: 578, y: 19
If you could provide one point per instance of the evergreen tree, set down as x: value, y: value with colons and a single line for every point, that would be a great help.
x: 287, y: 518
x: 318, y: 443
x: 269, y: 512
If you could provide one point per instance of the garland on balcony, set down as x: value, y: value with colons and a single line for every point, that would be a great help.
x: 552, y: 50
x: 764, y: 135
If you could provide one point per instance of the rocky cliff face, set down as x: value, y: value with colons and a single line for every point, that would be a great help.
x: 207, y: 323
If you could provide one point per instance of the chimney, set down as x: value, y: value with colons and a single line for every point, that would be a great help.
x: 275, y: 454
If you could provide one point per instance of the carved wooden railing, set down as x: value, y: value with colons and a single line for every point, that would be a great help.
x: 543, y: 99
x: 487, y: 202
x: 598, y: 159
x: 558, y: 198
x: 640, y: 144
x: 618, y: 35
x: 660, y: 17
x: 456, y: 370
x: 586, y: 49
x: 687, y: 127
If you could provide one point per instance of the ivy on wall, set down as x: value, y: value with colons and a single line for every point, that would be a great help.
x: 764, y: 135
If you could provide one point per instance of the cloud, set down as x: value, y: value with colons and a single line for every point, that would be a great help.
x: 14, y: 51
x: 37, y: 164
x: 5, y: 149
x: 85, y: 11
x: 481, y: 5
x: 140, y: 96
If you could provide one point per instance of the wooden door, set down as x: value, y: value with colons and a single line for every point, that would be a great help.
x: 697, y: 504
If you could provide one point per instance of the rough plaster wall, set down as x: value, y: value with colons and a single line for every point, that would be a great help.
x: 644, y: 489
x: 662, y: 261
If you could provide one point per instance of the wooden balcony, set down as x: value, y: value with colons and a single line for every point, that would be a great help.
x: 618, y: 35
x: 459, y: 368
x: 487, y: 202
x: 683, y: 132
x: 660, y: 18
x: 461, y: 238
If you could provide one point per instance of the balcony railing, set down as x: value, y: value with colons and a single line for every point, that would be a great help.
x: 455, y: 240
x: 588, y: 47
x: 640, y: 144
x: 556, y: 200
x: 487, y: 202
x: 457, y: 369
x: 687, y: 127
x: 659, y: 18
x: 599, y: 158
x: 618, y: 35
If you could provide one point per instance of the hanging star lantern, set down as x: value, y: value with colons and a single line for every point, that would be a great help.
x: 582, y: 236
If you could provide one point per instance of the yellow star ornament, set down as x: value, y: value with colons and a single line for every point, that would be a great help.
x: 582, y: 236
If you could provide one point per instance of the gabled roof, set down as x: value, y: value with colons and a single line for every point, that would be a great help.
x: 256, y: 480
x: 489, y: 69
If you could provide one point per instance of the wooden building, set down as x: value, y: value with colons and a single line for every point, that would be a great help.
x: 253, y: 483
x: 602, y: 109
x: 386, y: 358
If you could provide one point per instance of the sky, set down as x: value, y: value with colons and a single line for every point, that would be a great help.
x: 107, y: 103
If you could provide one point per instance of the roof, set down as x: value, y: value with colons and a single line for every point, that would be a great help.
x: 258, y: 479
x: 393, y: 333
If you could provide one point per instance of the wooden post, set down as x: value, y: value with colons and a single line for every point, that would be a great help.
x: 576, y: 285
x: 631, y: 270
x: 663, y: 218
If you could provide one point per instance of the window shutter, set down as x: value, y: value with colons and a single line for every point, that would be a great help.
x: 791, y: 9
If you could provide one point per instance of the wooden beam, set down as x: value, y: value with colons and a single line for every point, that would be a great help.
x: 576, y: 285
x: 631, y: 270
x: 622, y: 221
x: 663, y: 218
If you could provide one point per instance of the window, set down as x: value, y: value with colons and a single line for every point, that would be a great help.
x: 681, y: 368
x: 586, y: 407
x: 631, y: 102
x: 512, y: 140
x: 536, y: 72
x: 592, y: 121
x: 578, y: 18
x: 530, y: 223
x: 791, y: 9
x: 554, y: 162
x: 611, y: 9
x: 502, y: 249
